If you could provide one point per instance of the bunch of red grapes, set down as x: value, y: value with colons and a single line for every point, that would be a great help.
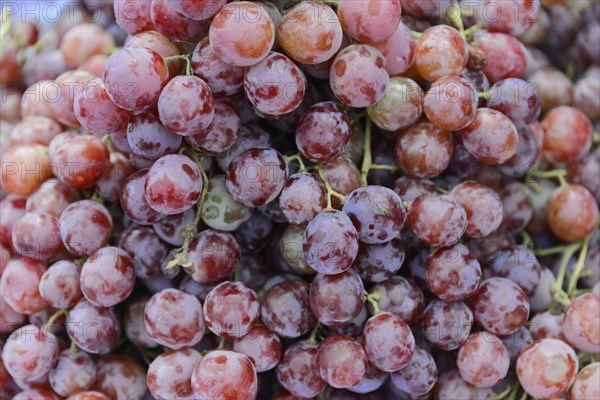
x: 331, y: 199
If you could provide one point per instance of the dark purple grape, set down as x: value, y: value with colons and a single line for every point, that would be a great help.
x: 170, y: 228
x: 253, y: 234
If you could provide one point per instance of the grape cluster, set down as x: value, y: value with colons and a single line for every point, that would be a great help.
x: 294, y: 199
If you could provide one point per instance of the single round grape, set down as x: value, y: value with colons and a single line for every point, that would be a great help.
x: 379, y: 262
x: 567, y: 134
x: 134, y: 77
x: 35, y: 102
x: 424, y: 151
x: 505, y: 56
x: 336, y: 300
x: 372, y: 380
x: 343, y: 177
x: 310, y: 33
x: 148, y: 138
x: 450, y: 103
x: 553, y: 86
x: 222, y: 132
x: 221, y: 77
x: 517, y: 99
x: 291, y: 249
x: 369, y: 21
x: 447, y: 325
x: 358, y: 75
x: 134, y: 202
x: 20, y: 283
x: 256, y: 176
x: 25, y: 168
x: 34, y: 130
x: 572, y: 213
x: 452, y: 273
x: 420, y: 375
x: 541, y: 296
x: 400, y: 107
x: 169, y: 375
x: 302, y: 198
x: 483, y: 360
x: 35, y: 235
x: 133, y: 16
x: 159, y: 43
x: 212, y: 257
x: 398, y: 50
x: 73, y: 373
x: 513, y: 18
x: 59, y: 285
x: 297, y: 373
x: 585, y: 94
x: 410, y: 188
x: 547, y: 368
x: 120, y: 377
x: 224, y: 374
x: 29, y: 352
x: 94, y: 329
x: 451, y: 386
x: 220, y: 210
x: 198, y: 10
x: 519, y: 265
x: 440, y: 42
x: 262, y: 347
x: 527, y: 154
x: 145, y: 248
x: 586, y: 385
x: 401, y: 297
x: 186, y: 105
x: 482, y: 205
x: 250, y: 137
x: 231, y: 310
x: 438, y: 220
x: 285, y: 309
x: 36, y: 394
x: 170, y: 229
x: 341, y: 360
x: 62, y: 95
x: 388, y: 342
x: 323, y: 132
x: 330, y: 243
x: 80, y: 162
x: 583, y: 171
x: 85, y: 226
x: 517, y: 205
x: 174, y: 25
x: 500, y: 306
x: 242, y: 33
x: 174, y: 319
x: 581, y: 326
x: 10, y: 320
x: 89, y: 395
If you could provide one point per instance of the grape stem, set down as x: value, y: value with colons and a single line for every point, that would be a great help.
x: 5, y: 24
x: 485, y: 95
x: 53, y: 318
x: 296, y: 157
x: 186, y: 57
x: 312, y: 339
x: 473, y: 29
x: 555, y: 173
x: 221, y: 343
x: 558, y: 293
x: 527, y: 241
x: 392, y: 168
x: 330, y: 191
x: 417, y: 34
x: 357, y: 117
x: 73, y: 348
x: 578, y: 268
x: 596, y: 138
x: 373, y: 298
x: 108, y: 142
x: 454, y: 14
x: 367, y: 159
x: 442, y: 190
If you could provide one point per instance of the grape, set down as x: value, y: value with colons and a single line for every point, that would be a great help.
x: 12, y: 208
x: 224, y: 374
x: 220, y: 210
x: 330, y: 243
x: 297, y: 373
x: 82, y: 42
x: 572, y: 213
x: 29, y: 353
x: 302, y: 198
x: 358, y: 75
x: 369, y: 21
x: 323, y: 132
x: 134, y: 323
x: 198, y: 10
x: 398, y: 50
x: 581, y: 325
x: 89, y: 395
x: 371, y: 381
x: 134, y: 202
x: 500, y: 306
x: 25, y: 168
x: 424, y: 151
x: 505, y: 56
x: 586, y: 384
x: 567, y: 134
x: 173, y: 184
x: 133, y: 16
x: 450, y: 103
x: 120, y: 377
x: 174, y: 319
x: 400, y: 107
x: 213, y: 255
x: 526, y: 156
x: 285, y: 309
x: 514, y: 18
x: 221, y: 77
x: 379, y: 262
x: 388, y: 342
x: 145, y: 248
x: 341, y: 360
x: 34, y: 130
x: 336, y: 300
x: 94, y: 329
x: 585, y: 94
x: 174, y: 25
x: 517, y: 206
x: 159, y: 43
x: 9, y: 320
x: 170, y: 228
x: 134, y: 77
x: 62, y: 95
x: 401, y: 297
x: 291, y: 249
x: 553, y: 87
x: 410, y: 188
x: 517, y: 99
x: 256, y: 176
x: 438, y: 220
x: 242, y: 33
x: 185, y: 105
x: 482, y: 205
x: 541, y: 296
x: 80, y: 161
x: 547, y: 368
x: 35, y: 101
x: 253, y: 235
x: 419, y: 377
x: 519, y: 265
x: 222, y: 132
x: 250, y: 137
x: 483, y: 360
x: 59, y: 285
x: 440, y: 42
x: 343, y: 177
x: 451, y: 386
x: 36, y: 394
x: 452, y: 273
x: 35, y: 235
x: 447, y: 325
x: 85, y: 226
x: 262, y: 346
x: 231, y: 310
x: 148, y: 138
x: 113, y: 179
x: 169, y: 374
x: 73, y: 373
x: 310, y: 33
x: 515, y: 343
x: 20, y: 285
x: 583, y: 171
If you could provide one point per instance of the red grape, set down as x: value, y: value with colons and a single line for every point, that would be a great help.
x: 36, y: 236
x: 95, y: 111
x: 83, y: 41
x: 231, y: 309
x: 438, y: 220
x: 341, y: 360
x: 505, y: 56
x: 34, y: 130
x: 20, y: 285
x: 285, y: 309
x: 302, y: 198
x: 221, y: 77
x: 400, y: 107
x: 482, y: 205
x: 379, y: 262
x: 336, y: 300
x: 586, y: 385
x: 447, y: 325
x: 94, y: 329
x: 198, y: 10
x: 29, y: 353
x: 451, y: 386
x: 297, y: 373
x: 80, y: 162
x: 401, y: 297
x: 450, y: 103
x: 452, y: 273
x: 581, y: 326
x: 73, y: 373
x: 514, y: 18
x: 483, y: 360
x: 572, y: 213
x: 222, y: 132
x: 169, y: 375
x: 262, y: 347
x: 369, y: 21
x: 213, y: 255
x: 567, y: 134
x: 388, y: 341
x: 398, y: 50
x: 224, y: 374
x: 59, y: 285
x: 133, y: 16
x: 517, y: 99
x: 148, y: 138
x: 62, y: 95
x: 419, y: 377
x: 25, y: 168
x: 120, y: 377
x: 441, y: 42
x: 111, y: 183
x: 134, y: 202
x: 85, y: 226
x: 173, y: 24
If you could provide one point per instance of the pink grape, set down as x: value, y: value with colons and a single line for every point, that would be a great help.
x: 169, y: 374
x: 262, y: 346
x: 388, y: 342
x: 224, y: 374
x: 341, y: 360
x: 94, y: 329
x: 483, y: 360
x: 231, y: 310
x: 369, y: 21
x: 581, y: 326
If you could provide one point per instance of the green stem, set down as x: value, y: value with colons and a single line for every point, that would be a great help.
x: 296, y: 157
x: 108, y: 142
x: 473, y: 29
x: 406, y: 204
x: 454, y: 14
x: 357, y: 117
x: 549, y: 251
x: 373, y: 298
x: 527, y: 241
x: 53, y: 318
x: 558, y: 293
x: 221, y: 343
x: 73, y: 348
x: 485, y: 95
x: 367, y: 158
x: 417, y: 34
x: 578, y: 268
x: 442, y: 190
x: 596, y: 138
x: 330, y: 191
x: 312, y: 339
x: 392, y: 168
x: 186, y: 57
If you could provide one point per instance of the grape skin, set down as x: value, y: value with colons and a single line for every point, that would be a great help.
x: 224, y: 374
x: 85, y: 226
x: 59, y: 284
x: 368, y: 21
x: 483, y: 360
x: 296, y: 371
x: 450, y: 103
x: 302, y: 198
x: 388, y: 342
x: 231, y: 310
x: 447, y: 325
x: 482, y: 205
x: 169, y: 375
x: 572, y: 213
x: 285, y: 309
x: 20, y: 285
x: 401, y: 297
x: 440, y: 42
x: 580, y: 326
x: 452, y: 273
x: 400, y: 107
x: 438, y: 220
x: 120, y: 377
x: 106, y: 327
x: 29, y: 353
x: 419, y: 377
x: 262, y: 347
x: 212, y: 257
x: 336, y: 300
x: 586, y: 383
x: 341, y: 360
x: 73, y: 373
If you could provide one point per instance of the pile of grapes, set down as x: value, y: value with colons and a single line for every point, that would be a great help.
x: 331, y: 199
